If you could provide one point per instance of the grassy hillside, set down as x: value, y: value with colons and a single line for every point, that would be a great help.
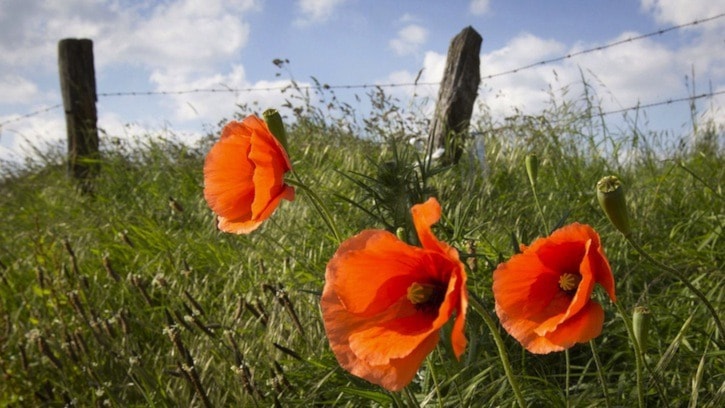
x: 131, y: 297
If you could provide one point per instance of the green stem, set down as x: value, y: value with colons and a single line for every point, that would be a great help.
x: 317, y: 203
x: 567, y: 377
x: 541, y: 210
x: 600, y: 373
x: 396, y: 399
x: 431, y: 369
x: 412, y: 401
x: 637, y: 355
x: 682, y: 279
x: 501, y: 350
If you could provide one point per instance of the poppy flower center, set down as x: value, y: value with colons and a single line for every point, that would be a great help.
x: 569, y: 281
x: 425, y: 296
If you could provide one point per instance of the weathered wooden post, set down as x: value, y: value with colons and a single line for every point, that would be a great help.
x: 456, y: 96
x: 78, y: 88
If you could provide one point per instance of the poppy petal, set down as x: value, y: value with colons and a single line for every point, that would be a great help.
x: 578, y: 301
x: 458, y: 337
x: 340, y: 323
x: 524, y: 286
x: 531, y: 304
x: 257, y: 128
x: 602, y: 271
x: 580, y: 328
x: 373, y: 270
x: 238, y: 226
x: 269, y: 170
x: 424, y: 216
x: 393, y: 339
x: 523, y: 331
x: 228, y: 186
x: 377, y: 330
x: 244, y: 176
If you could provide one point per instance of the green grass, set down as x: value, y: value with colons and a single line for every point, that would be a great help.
x: 131, y: 297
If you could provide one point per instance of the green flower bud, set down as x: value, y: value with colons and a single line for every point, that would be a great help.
x: 611, y: 198
x: 400, y: 233
x: 640, y: 324
x: 276, y: 126
x: 532, y: 168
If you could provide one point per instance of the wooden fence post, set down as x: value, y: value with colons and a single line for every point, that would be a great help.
x: 78, y: 88
x: 456, y: 96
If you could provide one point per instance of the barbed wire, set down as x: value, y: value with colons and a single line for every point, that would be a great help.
x: 663, y: 102
x: 415, y: 83
x: 605, y: 113
x: 31, y: 114
x: 604, y: 47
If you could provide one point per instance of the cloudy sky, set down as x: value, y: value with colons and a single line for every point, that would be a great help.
x: 175, y: 45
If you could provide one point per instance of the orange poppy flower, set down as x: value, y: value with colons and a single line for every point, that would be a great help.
x: 244, y: 176
x: 384, y: 301
x: 543, y: 295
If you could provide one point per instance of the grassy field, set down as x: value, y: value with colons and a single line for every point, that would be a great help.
x: 131, y: 297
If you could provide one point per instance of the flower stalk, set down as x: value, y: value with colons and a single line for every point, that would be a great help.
x: 532, y: 170
x: 638, y: 360
x: 476, y: 304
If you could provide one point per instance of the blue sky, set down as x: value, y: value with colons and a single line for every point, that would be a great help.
x: 199, y: 44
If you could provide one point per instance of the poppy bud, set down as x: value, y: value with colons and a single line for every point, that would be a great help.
x: 532, y: 168
x: 275, y: 124
x: 611, y: 198
x: 640, y: 324
x: 400, y: 233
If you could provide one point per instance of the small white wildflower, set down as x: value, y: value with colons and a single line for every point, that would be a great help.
x: 416, y: 142
x: 438, y: 153
x: 159, y: 280
x: 32, y: 334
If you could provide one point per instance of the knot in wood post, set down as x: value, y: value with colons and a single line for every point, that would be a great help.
x: 456, y: 96
x: 78, y: 88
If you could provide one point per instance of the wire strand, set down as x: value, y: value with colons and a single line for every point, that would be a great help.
x: 603, y: 47
x: 416, y: 83
x: 31, y: 114
x: 663, y: 102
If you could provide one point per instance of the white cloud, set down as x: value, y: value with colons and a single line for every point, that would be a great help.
x: 17, y: 89
x: 629, y: 77
x: 409, y: 39
x: 434, y: 65
x: 211, y: 106
x: 426, y: 90
x: 316, y: 11
x: 185, y: 40
x: 182, y: 32
x: 712, y: 110
x: 190, y: 33
x: 525, y: 89
x: 479, y: 7
x: 519, y: 51
x: 683, y: 11
x: 408, y: 18
x: 23, y: 139
x: 619, y: 76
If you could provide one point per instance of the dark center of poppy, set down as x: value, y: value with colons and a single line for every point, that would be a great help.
x: 425, y: 296
x: 568, y: 282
